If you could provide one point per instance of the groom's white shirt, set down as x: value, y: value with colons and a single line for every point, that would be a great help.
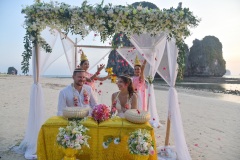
x: 67, y: 94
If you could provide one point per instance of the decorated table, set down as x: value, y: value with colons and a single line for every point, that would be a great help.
x: 48, y: 149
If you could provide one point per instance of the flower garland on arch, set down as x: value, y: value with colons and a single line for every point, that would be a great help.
x: 104, y: 21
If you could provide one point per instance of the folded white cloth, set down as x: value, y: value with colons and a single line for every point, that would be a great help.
x: 28, y: 156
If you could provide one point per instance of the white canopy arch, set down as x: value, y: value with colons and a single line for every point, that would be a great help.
x: 157, y: 35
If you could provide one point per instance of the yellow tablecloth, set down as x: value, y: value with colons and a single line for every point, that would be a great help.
x: 47, y: 148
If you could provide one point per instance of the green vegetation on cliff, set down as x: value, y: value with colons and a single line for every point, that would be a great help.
x: 205, y: 58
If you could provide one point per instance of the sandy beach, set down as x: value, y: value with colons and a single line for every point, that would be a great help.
x: 211, y: 121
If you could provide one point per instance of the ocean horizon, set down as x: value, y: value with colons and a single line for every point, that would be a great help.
x: 215, y: 87
x: 69, y: 76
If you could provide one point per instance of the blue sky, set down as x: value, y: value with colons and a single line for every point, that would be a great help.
x: 220, y: 18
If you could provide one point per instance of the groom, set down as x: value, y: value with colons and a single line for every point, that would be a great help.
x: 76, y: 94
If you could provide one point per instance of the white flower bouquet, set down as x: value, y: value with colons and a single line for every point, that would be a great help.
x: 150, y: 79
x: 73, y: 136
x: 140, y: 142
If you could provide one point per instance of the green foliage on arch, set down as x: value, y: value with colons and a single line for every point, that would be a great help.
x: 104, y: 20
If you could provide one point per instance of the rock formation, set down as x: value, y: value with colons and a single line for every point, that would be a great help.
x: 12, y: 70
x: 205, y: 58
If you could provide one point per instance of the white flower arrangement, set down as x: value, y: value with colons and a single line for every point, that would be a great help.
x: 106, y: 144
x: 140, y: 142
x: 104, y: 21
x: 73, y: 136
x: 150, y: 79
x: 115, y: 140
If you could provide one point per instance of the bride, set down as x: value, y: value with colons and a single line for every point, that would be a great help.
x: 126, y: 98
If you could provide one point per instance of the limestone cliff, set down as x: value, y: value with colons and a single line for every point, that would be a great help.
x: 205, y: 58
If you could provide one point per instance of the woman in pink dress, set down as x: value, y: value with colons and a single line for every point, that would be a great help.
x: 91, y: 78
x: 139, y: 84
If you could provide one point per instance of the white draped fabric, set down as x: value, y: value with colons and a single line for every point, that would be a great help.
x: 173, y: 108
x: 40, y: 62
x: 161, y: 55
x: 68, y: 46
x: 36, y: 114
x: 101, y: 59
x: 95, y: 57
x: 151, y: 49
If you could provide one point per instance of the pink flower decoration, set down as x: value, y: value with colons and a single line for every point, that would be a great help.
x: 152, y: 152
x: 126, y: 106
x: 85, y: 97
x: 101, y: 113
x: 164, y: 68
x: 114, y: 109
x: 75, y: 100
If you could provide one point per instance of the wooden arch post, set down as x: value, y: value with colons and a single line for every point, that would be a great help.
x: 75, y: 46
x: 167, y: 132
x: 37, y: 61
